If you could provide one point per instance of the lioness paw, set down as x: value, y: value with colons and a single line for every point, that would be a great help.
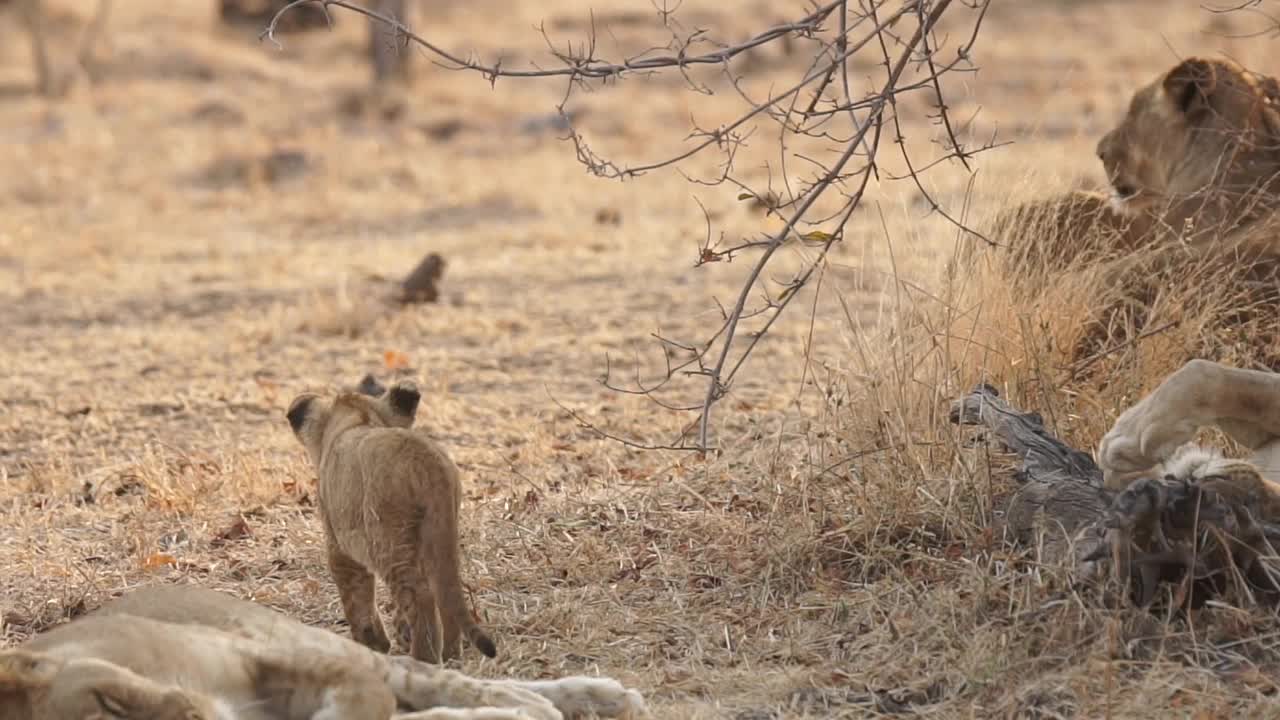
x: 1139, y: 442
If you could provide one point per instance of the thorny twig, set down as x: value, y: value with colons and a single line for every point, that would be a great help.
x: 1246, y: 7
x: 852, y: 125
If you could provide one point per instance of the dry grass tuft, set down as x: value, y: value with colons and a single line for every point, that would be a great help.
x: 1054, y: 340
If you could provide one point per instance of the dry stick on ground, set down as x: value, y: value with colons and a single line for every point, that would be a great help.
x: 852, y: 126
x: 1061, y: 502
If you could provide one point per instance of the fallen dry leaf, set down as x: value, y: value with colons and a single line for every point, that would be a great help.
x: 159, y: 560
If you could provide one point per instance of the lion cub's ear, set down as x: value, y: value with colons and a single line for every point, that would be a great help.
x: 23, y: 670
x: 298, y: 409
x: 403, y: 398
x: 1190, y: 85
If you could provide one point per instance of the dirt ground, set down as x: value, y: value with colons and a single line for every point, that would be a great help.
x: 206, y: 231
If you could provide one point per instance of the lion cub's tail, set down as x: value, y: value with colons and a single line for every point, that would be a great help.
x: 479, y: 637
x: 448, y: 584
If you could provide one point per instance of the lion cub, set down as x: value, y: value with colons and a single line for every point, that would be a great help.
x: 389, y: 499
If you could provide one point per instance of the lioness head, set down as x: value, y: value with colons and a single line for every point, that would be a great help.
x: 1204, y: 125
x: 313, y: 418
x: 41, y: 687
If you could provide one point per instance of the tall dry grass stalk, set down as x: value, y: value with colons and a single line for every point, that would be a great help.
x: 960, y: 614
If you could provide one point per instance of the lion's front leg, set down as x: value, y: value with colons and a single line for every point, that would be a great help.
x: 420, y: 686
x: 1243, y: 403
x: 1164, y: 420
x: 465, y: 714
x: 423, y: 686
x: 579, y: 695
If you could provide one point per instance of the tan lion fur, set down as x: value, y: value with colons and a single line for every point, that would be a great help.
x: 182, y: 652
x: 1192, y: 169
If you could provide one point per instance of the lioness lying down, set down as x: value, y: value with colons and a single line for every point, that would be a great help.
x: 1193, y: 170
x: 181, y: 652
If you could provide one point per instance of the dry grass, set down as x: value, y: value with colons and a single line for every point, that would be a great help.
x: 164, y: 301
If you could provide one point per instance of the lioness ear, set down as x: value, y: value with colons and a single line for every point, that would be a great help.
x: 23, y: 670
x: 404, y: 398
x: 297, y: 413
x: 1191, y: 84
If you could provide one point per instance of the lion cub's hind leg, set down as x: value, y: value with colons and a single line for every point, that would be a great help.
x: 420, y: 566
x: 356, y: 591
x: 406, y: 619
x: 418, y: 618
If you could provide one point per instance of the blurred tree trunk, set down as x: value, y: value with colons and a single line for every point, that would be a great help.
x: 33, y: 18
x: 388, y: 51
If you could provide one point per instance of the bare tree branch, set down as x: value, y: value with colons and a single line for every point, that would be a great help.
x: 819, y: 105
x: 577, y: 67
